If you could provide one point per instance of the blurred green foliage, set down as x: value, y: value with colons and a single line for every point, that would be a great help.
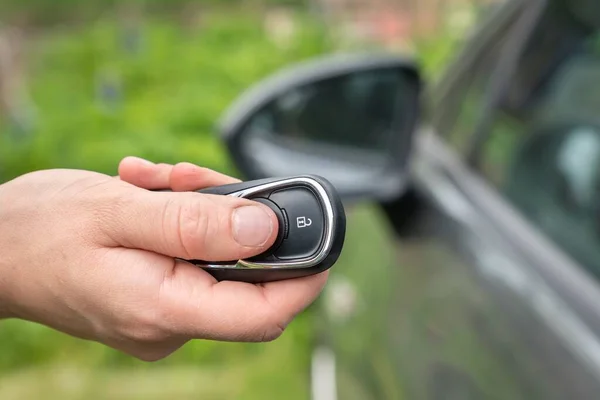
x: 96, y: 102
x: 41, y: 13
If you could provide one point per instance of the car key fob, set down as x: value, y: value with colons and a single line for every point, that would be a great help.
x: 312, y: 229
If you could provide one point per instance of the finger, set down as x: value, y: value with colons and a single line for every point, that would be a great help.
x: 145, y: 174
x: 181, y: 177
x: 189, y: 225
x: 187, y: 177
x: 233, y: 311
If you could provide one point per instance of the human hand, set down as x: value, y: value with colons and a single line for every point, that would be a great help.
x: 95, y: 257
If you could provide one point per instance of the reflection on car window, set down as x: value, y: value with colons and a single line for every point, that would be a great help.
x: 577, y: 161
x: 543, y: 152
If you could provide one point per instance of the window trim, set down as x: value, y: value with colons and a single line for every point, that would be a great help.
x: 485, y: 32
x: 519, y: 36
x: 457, y: 77
x: 477, y: 42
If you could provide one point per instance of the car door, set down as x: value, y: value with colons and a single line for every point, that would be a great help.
x: 491, y: 292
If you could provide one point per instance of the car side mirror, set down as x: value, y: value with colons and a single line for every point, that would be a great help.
x: 348, y: 118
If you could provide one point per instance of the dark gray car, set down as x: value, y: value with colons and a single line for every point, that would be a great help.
x: 484, y: 282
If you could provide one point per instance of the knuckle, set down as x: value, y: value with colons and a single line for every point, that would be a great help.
x: 181, y: 222
x: 178, y: 169
x: 143, y: 335
x: 199, y: 223
x: 145, y: 330
x: 147, y: 335
x: 270, y: 328
x: 274, y: 332
x: 169, y: 213
x: 274, y: 320
x: 158, y: 351
x: 194, y: 228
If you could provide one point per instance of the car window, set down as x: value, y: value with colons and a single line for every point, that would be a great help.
x: 543, y: 149
x: 455, y: 104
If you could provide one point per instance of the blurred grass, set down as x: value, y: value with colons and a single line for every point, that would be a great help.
x: 97, y: 102
x: 270, y: 371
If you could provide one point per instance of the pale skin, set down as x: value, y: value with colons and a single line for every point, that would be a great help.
x: 95, y: 257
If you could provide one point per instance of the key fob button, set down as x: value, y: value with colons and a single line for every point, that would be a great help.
x: 282, y: 231
x: 306, y: 223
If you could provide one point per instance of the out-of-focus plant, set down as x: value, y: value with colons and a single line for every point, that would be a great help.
x: 37, y: 13
x: 98, y: 102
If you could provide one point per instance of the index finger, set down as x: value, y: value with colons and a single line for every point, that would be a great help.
x: 182, y: 177
x: 186, y: 176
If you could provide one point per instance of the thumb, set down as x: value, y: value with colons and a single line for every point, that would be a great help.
x: 192, y: 226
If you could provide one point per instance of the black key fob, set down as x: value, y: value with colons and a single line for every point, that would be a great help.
x: 312, y: 229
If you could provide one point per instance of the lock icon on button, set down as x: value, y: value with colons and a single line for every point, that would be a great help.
x: 303, y: 222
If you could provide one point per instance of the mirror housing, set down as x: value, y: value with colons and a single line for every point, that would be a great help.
x: 348, y: 118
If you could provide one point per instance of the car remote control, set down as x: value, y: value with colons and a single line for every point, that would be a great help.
x: 312, y: 229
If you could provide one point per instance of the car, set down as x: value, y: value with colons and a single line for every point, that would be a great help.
x: 484, y: 281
